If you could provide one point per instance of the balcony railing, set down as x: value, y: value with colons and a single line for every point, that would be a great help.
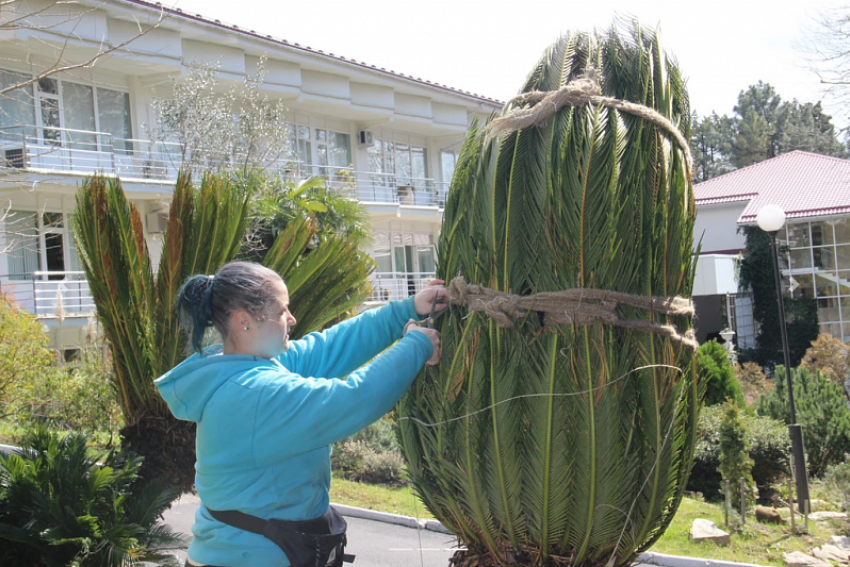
x: 81, y: 151
x: 50, y: 294
x: 387, y: 286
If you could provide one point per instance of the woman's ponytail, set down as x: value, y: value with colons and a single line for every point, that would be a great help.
x: 194, y: 304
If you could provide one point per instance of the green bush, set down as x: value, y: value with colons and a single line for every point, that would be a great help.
x: 716, y: 372
x: 371, y: 455
x: 24, y: 352
x: 736, y: 465
x: 836, y: 481
x: 61, y: 505
x: 768, y: 448
x: 78, y: 398
x: 822, y: 410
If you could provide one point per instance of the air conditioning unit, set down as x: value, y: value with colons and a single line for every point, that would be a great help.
x: 14, y: 157
x: 157, y: 222
x: 365, y: 138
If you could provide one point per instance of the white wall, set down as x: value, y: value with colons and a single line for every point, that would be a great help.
x: 717, y: 226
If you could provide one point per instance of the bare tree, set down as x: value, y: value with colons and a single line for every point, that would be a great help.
x: 828, y: 49
x: 57, y: 16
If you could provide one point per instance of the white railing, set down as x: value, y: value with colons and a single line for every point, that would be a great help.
x: 50, y: 294
x: 82, y: 151
x: 398, y: 285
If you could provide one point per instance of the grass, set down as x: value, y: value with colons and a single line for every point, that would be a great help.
x: 762, y: 544
x: 376, y: 497
x: 758, y: 543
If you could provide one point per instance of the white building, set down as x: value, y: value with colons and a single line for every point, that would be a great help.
x: 397, y: 136
x: 814, y: 191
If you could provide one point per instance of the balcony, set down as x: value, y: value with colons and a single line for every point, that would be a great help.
x: 50, y: 295
x: 64, y: 150
x: 387, y: 286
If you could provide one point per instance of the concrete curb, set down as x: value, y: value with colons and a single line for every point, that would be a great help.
x: 397, y: 519
x: 663, y: 560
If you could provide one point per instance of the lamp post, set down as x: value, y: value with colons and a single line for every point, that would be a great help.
x: 771, y: 219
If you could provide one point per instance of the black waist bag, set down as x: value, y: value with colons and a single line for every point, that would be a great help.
x: 308, y: 543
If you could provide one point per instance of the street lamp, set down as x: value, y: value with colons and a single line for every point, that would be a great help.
x: 770, y: 219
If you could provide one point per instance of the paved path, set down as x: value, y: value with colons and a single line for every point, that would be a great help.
x: 376, y: 544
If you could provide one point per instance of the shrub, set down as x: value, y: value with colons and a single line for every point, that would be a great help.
x: 24, y: 352
x: 371, y: 455
x: 736, y: 465
x: 753, y: 382
x: 768, y: 448
x: 60, y: 505
x: 822, y: 410
x: 836, y: 481
x: 830, y: 356
x: 715, y: 371
x: 78, y: 398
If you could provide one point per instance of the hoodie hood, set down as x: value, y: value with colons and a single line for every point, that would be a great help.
x: 188, y: 387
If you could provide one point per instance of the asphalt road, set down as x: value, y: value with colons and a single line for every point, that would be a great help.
x: 375, y: 544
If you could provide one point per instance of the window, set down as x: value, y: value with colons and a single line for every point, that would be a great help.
x: 40, y: 244
x: 404, y: 162
x: 819, y: 267
x: 16, y: 107
x: 448, y: 160
x: 65, y: 105
x: 113, y: 114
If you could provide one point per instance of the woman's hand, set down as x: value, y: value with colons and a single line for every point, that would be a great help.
x: 422, y: 301
x: 413, y: 327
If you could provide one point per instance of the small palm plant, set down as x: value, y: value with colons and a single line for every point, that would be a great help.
x: 325, y: 271
x: 61, y: 504
x: 556, y: 444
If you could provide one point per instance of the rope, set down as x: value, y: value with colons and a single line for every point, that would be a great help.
x: 581, y: 306
x: 578, y: 92
x: 545, y: 395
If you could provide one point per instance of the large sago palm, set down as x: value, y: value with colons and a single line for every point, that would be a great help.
x: 325, y: 272
x: 552, y: 442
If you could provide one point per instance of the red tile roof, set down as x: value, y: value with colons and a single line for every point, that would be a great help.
x: 802, y: 183
x: 177, y: 12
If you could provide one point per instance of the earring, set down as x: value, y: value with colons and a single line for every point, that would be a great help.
x: 247, y: 328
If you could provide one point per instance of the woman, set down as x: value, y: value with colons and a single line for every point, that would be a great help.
x: 268, y: 409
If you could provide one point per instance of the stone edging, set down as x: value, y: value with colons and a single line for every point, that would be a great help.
x: 386, y: 517
x: 662, y: 560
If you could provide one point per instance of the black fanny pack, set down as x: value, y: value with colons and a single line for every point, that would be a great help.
x: 308, y: 543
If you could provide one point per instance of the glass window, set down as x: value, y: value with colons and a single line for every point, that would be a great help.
x: 828, y: 309
x: 53, y: 220
x: 801, y: 258
x: 16, y: 107
x: 78, y: 106
x: 826, y: 285
x: 798, y: 235
x: 305, y: 151
x: 48, y: 86
x: 822, y: 234
x: 113, y: 114
x: 339, y: 149
x: 824, y: 257
x: 833, y: 329
x: 805, y: 285
x: 384, y: 261
x: 448, y: 162
x: 842, y: 231
x: 21, y: 244
x: 425, y: 255
x: 842, y: 256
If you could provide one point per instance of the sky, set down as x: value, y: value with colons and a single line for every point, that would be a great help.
x: 722, y: 46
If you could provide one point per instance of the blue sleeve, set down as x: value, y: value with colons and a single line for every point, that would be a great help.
x: 315, y: 412
x: 342, y: 349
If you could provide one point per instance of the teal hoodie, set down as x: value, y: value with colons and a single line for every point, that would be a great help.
x: 265, y: 426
